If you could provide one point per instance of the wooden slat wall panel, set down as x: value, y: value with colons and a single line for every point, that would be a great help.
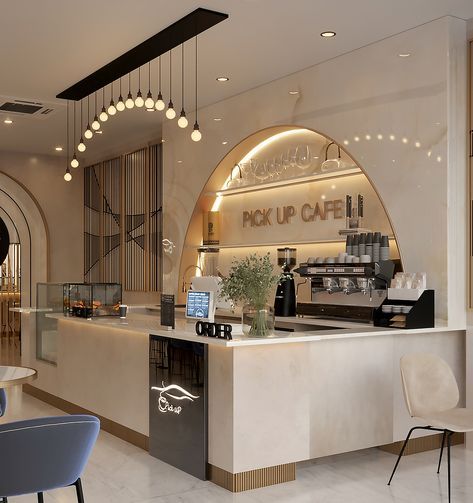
x: 135, y: 221
x: 92, y: 227
x: 123, y: 220
x: 155, y: 218
x: 111, y: 221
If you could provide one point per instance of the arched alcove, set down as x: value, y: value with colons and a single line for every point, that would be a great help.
x: 309, y: 182
x: 25, y: 215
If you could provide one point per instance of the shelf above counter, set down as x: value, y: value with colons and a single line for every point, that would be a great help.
x: 283, y: 183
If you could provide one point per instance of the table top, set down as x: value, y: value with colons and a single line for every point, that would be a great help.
x: 11, y: 376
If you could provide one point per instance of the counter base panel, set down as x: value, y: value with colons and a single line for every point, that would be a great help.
x: 422, y: 444
x: 252, y: 479
x: 116, y: 429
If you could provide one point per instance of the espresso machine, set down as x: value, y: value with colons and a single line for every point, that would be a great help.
x: 346, y: 291
x: 285, y: 301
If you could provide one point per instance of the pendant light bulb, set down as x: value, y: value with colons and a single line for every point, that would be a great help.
x: 139, y: 101
x: 74, y: 162
x: 67, y: 175
x: 170, y: 112
x: 120, y: 104
x: 129, y: 103
x: 196, y: 134
x: 111, y: 109
x: 88, y: 133
x: 81, y: 147
x: 160, y: 105
x: 149, y: 102
x: 103, y: 115
x: 182, y: 122
x: 96, y: 123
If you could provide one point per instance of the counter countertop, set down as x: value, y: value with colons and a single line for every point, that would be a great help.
x: 185, y: 330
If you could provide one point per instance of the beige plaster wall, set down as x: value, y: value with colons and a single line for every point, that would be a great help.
x: 419, y: 173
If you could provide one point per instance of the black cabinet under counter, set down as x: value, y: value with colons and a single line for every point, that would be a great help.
x: 178, y: 403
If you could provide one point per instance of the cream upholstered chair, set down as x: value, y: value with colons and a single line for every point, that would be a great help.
x: 431, y: 394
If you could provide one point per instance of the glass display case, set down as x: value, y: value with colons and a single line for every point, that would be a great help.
x: 71, y: 299
x: 87, y: 300
x: 49, y: 300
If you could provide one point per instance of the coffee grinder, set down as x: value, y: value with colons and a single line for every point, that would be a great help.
x: 285, y: 301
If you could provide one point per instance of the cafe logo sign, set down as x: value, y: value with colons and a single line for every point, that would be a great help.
x: 173, y: 392
x: 286, y: 214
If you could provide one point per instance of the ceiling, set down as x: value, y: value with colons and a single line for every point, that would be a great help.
x: 47, y: 46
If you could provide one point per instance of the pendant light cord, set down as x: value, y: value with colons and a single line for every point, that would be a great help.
x: 182, y: 75
x: 88, y: 109
x: 170, y: 75
x: 159, y: 74
x: 129, y: 83
x: 196, y: 79
x: 81, y: 121
x: 103, y: 98
x: 95, y: 104
x: 149, y: 76
x: 67, y: 134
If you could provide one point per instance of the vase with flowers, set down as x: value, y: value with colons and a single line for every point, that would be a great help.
x: 250, y: 281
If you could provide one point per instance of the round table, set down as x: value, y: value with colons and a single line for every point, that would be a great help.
x: 11, y: 376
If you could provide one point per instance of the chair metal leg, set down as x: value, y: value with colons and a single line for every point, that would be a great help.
x: 80, y: 494
x: 441, y: 450
x: 402, y: 452
x: 448, y: 458
x: 40, y: 498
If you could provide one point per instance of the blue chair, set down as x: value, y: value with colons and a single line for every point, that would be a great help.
x: 46, y: 453
x: 3, y: 402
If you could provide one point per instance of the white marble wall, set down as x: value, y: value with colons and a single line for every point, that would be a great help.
x: 368, y: 92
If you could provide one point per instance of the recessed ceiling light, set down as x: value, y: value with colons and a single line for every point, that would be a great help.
x: 150, y: 109
x: 404, y: 54
x: 179, y: 162
x: 223, y: 79
x: 328, y: 34
x: 58, y: 149
x: 217, y: 119
x: 293, y: 93
x: 99, y: 132
x: 8, y: 121
x: 224, y: 142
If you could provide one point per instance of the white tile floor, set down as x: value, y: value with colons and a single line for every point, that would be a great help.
x: 119, y: 472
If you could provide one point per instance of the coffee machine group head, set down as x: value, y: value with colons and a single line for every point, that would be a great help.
x: 285, y: 301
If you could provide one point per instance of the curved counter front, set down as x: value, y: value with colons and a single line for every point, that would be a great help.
x: 271, y: 402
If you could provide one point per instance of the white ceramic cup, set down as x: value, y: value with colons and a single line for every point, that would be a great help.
x: 365, y: 259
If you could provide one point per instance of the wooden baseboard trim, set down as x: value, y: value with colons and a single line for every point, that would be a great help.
x: 116, y: 429
x: 252, y: 479
x: 422, y: 444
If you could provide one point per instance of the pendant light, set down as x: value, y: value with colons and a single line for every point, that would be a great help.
x: 81, y: 147
x: 74, y: 161
x: 182, y: 121
x: 170, y: 112
x: 103, y: 114
x: 120, y: 102
x: 111, y: 109
x: 96, y: 123
x: 88, y: 133
x: 67, y: 174
x: 149, y: 103
x: 129, y: 103
x: 196, y: 135
x: 159, y: 105
x: 139, y: 101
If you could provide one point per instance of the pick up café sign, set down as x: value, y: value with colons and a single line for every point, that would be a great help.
x: 282, y: 215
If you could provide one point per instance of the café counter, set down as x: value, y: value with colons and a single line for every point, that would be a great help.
x: 271, y: 402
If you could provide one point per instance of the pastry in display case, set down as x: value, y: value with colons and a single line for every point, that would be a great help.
x: 87, y: 300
